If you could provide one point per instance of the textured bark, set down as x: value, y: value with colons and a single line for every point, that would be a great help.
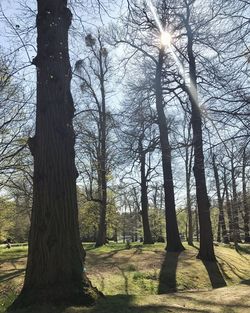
x: 188, y: 169
x: 147, y: 237
x: 206, y: 251
x: 197, y: 224
x: 222, y: 223
x: 173, y: 239
x: 102, y: 172
x: 228, y: 207
x: 54, y: 271
x: 235, y: 207
x: 244, y: 196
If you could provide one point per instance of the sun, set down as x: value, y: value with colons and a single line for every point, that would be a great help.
x: 165, y: 39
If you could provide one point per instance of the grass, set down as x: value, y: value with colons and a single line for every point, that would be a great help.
x: 146, y: 279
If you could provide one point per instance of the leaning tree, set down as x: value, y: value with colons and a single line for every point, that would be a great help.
x: 55, y: 271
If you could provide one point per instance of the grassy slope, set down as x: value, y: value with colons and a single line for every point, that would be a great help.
x: 137, y: 280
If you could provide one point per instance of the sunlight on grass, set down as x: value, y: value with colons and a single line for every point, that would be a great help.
x: 132, y: 278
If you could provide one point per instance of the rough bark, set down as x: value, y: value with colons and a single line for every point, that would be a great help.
x: 235, y: 207
x: 147, y: 236
x: 206, y: 250
x: 188, y: 169
x: 222, y: 223
x: 54, y: 271
x: 244, y: 196
x: 173, y: 239
x: 102, y: 172
x: 228, y: 207
x: 197, y: 224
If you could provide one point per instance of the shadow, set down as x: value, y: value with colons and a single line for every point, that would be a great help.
x: 214, y: 273
x: 13, y: 259
x: 211, y: 303
x: 125, y: 280
x: 245, y: 282
x: 125, y: 304
x: 167, y: 276
x: 13, y: 274
x: 233, y: 269
x: 128, y: 304
x: 244, y: 248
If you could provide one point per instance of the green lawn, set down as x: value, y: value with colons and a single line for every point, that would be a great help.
x: 145, y: 278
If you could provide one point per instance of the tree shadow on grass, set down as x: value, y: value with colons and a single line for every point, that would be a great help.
x: 214, y: 273
x: 10, y: 275
x: 117, y: 304
x: 245, y: 282
x: 167, y: 277
x: 125, y: 304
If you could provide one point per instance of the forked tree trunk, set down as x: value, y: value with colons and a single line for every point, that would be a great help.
x: 54, y: 271
x: 173, y: 238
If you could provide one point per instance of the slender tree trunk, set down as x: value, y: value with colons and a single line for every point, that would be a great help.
x: 188, y: 166
x: 229, y: 208
x: 147, y: 236
x: 54, y: 271
x: 222, y: 223
x: 206, y: 251
x: 173, y: 238
x: 235, y: 208
x: 197, y: 224
x: 101, y: 236
x: 244, y: 196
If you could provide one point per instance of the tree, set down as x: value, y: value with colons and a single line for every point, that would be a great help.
x: 93, y: 72
x: 154, y: 57
x: 246, y: 207
x: 54, y: 271
x: 140, y: 139
x: 221, y: 224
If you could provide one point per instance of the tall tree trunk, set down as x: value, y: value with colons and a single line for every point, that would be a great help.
x: 197, y: 224
x: 244, y: 196
x: 228, y: 207
x: 206, y: 251
x: 101, y: 236
x: 235, y: 207
x: 147, y: 237
x: 222, y: 223
x: 173, y: 238
x: 188, y: 169
x: 54, y: 271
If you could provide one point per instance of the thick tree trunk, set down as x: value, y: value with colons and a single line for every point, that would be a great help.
x: 222, y: 223
x: 147, y: 237
x: 173, y: 238
x: 206, y: 251
x: 54, y: 271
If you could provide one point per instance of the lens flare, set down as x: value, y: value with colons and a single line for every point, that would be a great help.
x: 166, y: 42
x: 165, y: 39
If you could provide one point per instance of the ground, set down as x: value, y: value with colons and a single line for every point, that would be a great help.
x: 147, y: 279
